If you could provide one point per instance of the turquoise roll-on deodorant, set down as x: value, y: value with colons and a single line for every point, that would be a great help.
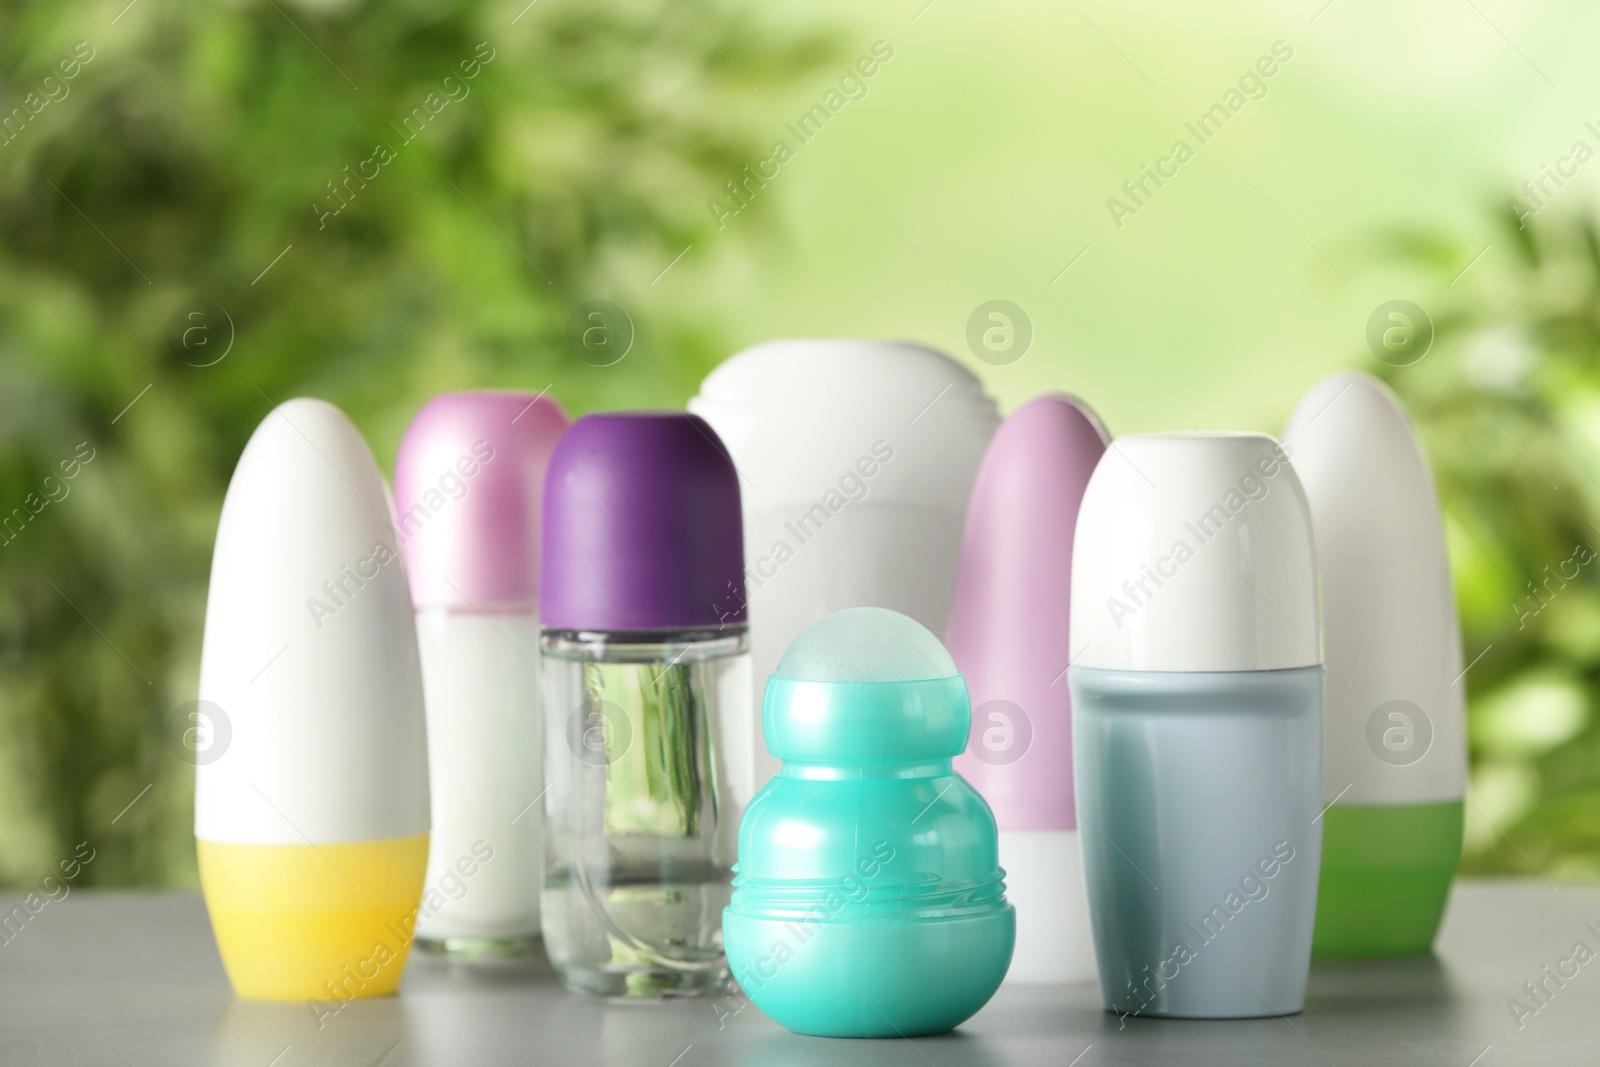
x: 1197, y: 687
x: 868, y: 900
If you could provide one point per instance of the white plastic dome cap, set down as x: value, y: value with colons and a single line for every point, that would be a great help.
x: 310, y: 648
x: 797, y: 415
x: 1195, y: 552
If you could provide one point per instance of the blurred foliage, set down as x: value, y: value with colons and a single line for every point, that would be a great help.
x: 178, y: 163
x: 1508, y: 405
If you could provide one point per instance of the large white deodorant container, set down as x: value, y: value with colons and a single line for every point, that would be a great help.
x: 856, y: 460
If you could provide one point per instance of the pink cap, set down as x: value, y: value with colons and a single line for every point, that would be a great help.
x: 1009, y: 614
x: 468, y: 486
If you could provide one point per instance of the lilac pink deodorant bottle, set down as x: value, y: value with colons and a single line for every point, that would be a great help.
x: 1009, y: 635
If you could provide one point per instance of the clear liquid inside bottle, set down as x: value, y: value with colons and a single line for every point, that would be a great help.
x: 639, y: 838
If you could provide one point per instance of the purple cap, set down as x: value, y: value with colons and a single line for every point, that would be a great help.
x: 1009, y: 614
x: 642, y: 529
x: 468, y: 487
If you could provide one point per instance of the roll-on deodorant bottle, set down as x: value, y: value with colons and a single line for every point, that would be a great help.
x: 1008, y: 634
x: 869, y: 901
x: 642, y: 608
x: 1395, y: 766
x: 311, y: 795
x: 1197, y: 724
x: 856, y: 461
x: 469, y: 481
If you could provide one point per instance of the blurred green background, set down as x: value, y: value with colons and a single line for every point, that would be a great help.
x: 185, y: 166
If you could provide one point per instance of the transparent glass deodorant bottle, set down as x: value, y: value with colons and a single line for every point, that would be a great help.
x: 645, y: 655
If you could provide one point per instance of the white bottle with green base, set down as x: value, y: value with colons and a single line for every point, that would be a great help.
x: 1394, y: 727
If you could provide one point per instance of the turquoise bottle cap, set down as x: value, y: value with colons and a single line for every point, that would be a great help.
x: 866, y: 685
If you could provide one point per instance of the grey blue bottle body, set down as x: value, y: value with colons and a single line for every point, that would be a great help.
x: 1199, y: 793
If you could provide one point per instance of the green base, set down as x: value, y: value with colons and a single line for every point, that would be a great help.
x: 1386, y: 874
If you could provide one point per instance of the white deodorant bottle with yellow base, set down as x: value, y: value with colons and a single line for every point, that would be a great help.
x: 311, y: 795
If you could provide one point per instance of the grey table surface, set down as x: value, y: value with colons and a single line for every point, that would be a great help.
x: 134, y: 978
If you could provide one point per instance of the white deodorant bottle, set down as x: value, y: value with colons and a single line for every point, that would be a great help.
x: 856, y: 460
